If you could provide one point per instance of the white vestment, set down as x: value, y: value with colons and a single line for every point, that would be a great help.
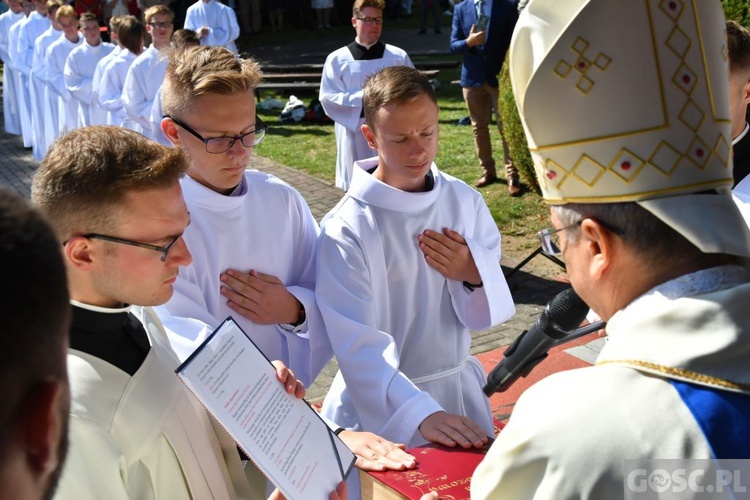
x: 145, y: 436
x: 79, y: 76
x: 220, y: 20
x: 20, y: 94
x: 267, y: 228
x: 97, y: 114
x: 341, y: 98
x: 11, y: 118
x: 399, y: 328
x: 67, y: 107
x: 741, y: 195
x: 39, y: 83
x: 570, y: 433
x: 110, y: 90
x: 31, y: 29
x: 143, y: 80
x: 155, y: 119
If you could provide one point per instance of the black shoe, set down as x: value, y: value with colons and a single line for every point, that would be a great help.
x: 422, y: 31
x: 437, y: 31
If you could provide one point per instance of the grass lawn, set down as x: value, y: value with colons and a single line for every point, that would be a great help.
x: 312, y: 148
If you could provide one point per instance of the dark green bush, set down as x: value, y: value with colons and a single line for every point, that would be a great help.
x: 739, y: 10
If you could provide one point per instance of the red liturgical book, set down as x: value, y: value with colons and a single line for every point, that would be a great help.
x: 445, y: 470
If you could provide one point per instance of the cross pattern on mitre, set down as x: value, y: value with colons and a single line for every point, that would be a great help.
x: 688, y: 138
x: 582, y: 65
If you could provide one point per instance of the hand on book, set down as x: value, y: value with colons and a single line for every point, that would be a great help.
x: 261, y: 298
x: 451, y: 430
x: 287, y: 378
x: 375, y: 453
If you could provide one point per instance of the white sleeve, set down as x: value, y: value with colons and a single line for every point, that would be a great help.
x: 492, y: 303
x: 55, y: 73
x: 343, y: 105
x: 95, y: 466
x: 110, y: 92
x: 78, y: 85
x: 134, y: 99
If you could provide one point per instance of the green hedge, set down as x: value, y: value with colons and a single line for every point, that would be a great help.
x: 739, y: 10
x: 513, y: 131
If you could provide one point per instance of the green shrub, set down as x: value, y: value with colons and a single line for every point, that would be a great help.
x: 513, y: 131
x: 739, y: 10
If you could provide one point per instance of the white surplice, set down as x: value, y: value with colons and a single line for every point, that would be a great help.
x: 146, y: 436
x: 11, y: 118
x: 400, y: 329
x: 31, y: 29
x: 20, y: 94
x: 155, y: 118
x: 97, y: 114
x: 220, y: 20
x: 79, y: 76
x: 67, y: 107
x: 110, y: 90
x: 341, y: 98
x: 268, y: 228
x: 143, y: 80
x: 39, y: 82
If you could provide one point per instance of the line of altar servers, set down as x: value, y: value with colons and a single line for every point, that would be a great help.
x: 59, y: 75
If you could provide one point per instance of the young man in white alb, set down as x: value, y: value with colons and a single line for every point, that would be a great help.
x: 81, y: 63
x: 146, y: 74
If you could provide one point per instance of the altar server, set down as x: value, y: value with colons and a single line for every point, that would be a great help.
x: 215, y: 23
x: 11, y: 118
x: 57, y: 54
x: 39, y: 81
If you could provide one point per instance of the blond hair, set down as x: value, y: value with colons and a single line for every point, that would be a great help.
x: 376, y: 4
x: 155, y: 10
x: 65, y: 11
x: 197, y: 71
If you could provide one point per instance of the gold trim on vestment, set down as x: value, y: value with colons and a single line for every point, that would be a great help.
x: 680, y: 372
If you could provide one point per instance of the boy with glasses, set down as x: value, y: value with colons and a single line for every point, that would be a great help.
x: 146, y: 74
x: 252, y: 235
x: 115, y: 202
x: 81, y: 64
x: 344, y: 74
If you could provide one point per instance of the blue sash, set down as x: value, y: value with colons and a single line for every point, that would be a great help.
x: 723, y: 416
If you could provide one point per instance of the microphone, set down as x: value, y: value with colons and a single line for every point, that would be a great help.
x: 555, y: 326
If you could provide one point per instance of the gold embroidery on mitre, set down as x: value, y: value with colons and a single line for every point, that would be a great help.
x: 679, y: 372
x: 678, y: 142
x: 582, y: 65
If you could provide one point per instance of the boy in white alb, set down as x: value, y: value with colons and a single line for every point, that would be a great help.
x: 252, y: 236
x: 11, y: 118
x: 408, y: 263
x: 146, y: 74
x: 14, y: 58
x: 57, y: 54
x: 97, y: 114
x: 215, y: 23
x: 31, y: 28
x: 39, y: 81
x: 81, y: 63
x: 131, y: 35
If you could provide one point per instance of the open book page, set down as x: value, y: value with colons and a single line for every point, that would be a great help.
x: 284, y: 436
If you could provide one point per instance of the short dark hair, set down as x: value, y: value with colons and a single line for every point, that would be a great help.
x: 131, y: 33
x: 738, y: 47
x: 400, y: 84
x: 35, y: 309
x: 183, y: 37
x: 86, y: 174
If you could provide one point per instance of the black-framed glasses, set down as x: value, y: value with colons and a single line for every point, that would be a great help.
x: 218, y: 145
x: 164, y: 250
x: 377, y: 21
x: 165, y: 24
x: 549, y: 239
